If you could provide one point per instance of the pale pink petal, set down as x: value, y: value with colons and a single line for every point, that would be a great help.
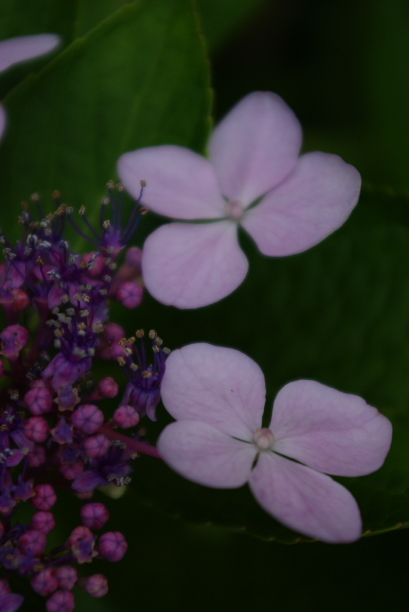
x: 255, y: 146
x: 23, y: 48
x: 191, y: 265
x: 314, y: 201
x: 2, y: 120
x: 304, y: 500
x: 219, y: 386
x: 329, y: 431
x: 205, y: 455
x: 180, y: 183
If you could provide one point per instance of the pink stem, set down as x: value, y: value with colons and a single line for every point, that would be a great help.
x: 132, y: 445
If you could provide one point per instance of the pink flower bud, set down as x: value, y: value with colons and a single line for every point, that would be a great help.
x: 107, y: 387
x: 71, y: 470
x: 33, y: 542
x: 43, y: 521
x: 96, y: 585
x: 45, y: 497
x: 94, y: 515
x: 96, y: 446
x: 130, y: 294
x: 37, y: 429
x: 126, y: 416
x: 112, y: 546
x: 37, y: 457
x: 60, y: 601
x: 20, y: 300
x: 67, y: 576
x: 45, y: 582
x: 80, y: 533
x: 88, y: 418
x: 13, y: 339
x: 82, y: 542
x: 113, y: 333
x: 39, y: 400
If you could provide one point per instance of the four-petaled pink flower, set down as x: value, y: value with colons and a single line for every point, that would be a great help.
x: 15, y: 50
x: 253, y: 160
x: 217, y: 394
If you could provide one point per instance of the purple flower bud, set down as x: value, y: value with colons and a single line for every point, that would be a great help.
x: 45, y: 497
x: 94, y: 516
x: 63, y: 432
x: 107, y: 387
x: 130, y: 295
x: 45, y: 582
x: 96, y: 446
x: 126, y: 416
x: 11, y: 602
x: 67, y: 576
x: 60, y: 601
x: 37, y: 429
x: 67, y: 398
x: 13, y: 339
x: 43, y: 521
x: 33, y: 542
x: 96, y: 585
x: 71, y: 470
x: 37, y: 457
x: 112, y: 546
x: 39, y: 400
x: 88, y: 418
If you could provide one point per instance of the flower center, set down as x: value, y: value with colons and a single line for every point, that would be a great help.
x: 234, y: 209
x: 263, y: 438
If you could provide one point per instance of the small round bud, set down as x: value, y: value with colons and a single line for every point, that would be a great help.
x: 13, y: 339
x: 33, y: 542
x: 45, y: 497
x: 88, y: 418
x: 130, y: 294
x: 96, y: 446
x: 60, y: 601
x: 37, y: 457
x: 96, y: 586
x: 37, y: 429
x: 107, y: 387
x: 112, y: 546
x: 126, y: 416
x: 67, y: 576
x: 38, y: 400
x: 71, y: 470
x: 94, y: 515
x: 43, y: 521
x: 45, y: 582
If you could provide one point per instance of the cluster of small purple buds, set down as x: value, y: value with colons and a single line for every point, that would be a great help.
x: 54, y: 433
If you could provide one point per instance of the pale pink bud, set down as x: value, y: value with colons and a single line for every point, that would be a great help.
x: 39, y: 400
x: 67, y: 576
x: 130, y: 294
x: 96, y: 586
x: 88, y: 418
x: 107, y: 387
x: 60, y: 601
x: 37, y: 429
x: 96, y: 446
x: 112, y: 546
x: 43, y: 521
x: 33, y: 542
x: 126, y: 416
x: 45, y: 582
x: 45, y: 497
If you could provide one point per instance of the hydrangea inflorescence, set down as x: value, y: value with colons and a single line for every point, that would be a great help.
x: 53, y: 431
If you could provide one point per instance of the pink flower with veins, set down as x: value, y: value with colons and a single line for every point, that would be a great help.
x: 15, y: 50
x: 218, y: 394
x: 253, y: 160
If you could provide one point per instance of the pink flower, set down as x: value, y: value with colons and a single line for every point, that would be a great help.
x: 217, y: 394
x: 15, y: 50
x: 253, y: 159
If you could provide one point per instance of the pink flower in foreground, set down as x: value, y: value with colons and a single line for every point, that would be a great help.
x: 253, y: 157
x: 15, y: 50
x: 217, y: 394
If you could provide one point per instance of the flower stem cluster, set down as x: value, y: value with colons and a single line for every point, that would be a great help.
x: 54, y: 433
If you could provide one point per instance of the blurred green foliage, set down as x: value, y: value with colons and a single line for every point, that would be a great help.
x: 132, y: 74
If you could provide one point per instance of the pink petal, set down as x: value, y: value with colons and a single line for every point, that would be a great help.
x: 328, y: 430
x: 2, y: 121
x: 205, y: 455
x: 23, y: 48
x: 180, y: 183
x: 191, y: 265
x: 314, y: 201
x: 304, y: 500
x: 255, y: 146
x: 215, y: 385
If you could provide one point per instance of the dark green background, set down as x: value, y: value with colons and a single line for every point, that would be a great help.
x: 136, y: 74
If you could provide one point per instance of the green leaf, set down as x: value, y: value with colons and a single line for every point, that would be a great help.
x: 339, y: 314
x: 140, y: 78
